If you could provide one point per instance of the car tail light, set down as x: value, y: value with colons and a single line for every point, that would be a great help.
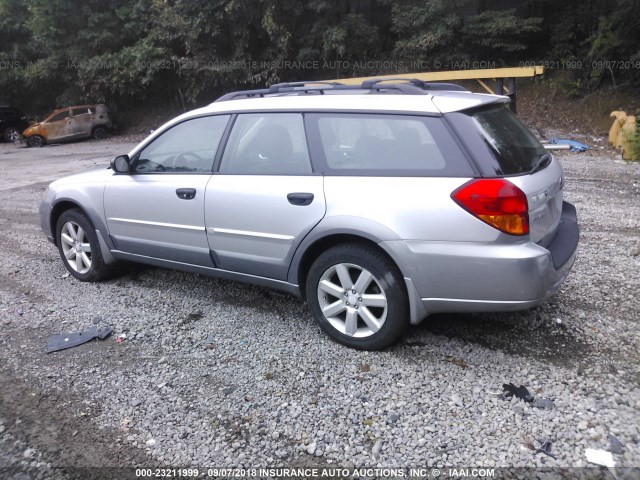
x: 497, y: 202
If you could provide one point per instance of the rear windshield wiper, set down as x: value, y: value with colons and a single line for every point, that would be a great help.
x: 543, y: 162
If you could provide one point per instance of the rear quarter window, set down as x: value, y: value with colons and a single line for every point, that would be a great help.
x: 384, y: 144
x: 498, y: 140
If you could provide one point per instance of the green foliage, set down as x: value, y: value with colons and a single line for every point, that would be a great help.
x: 500, y: 32
x: 55, y: 52
x: 635, y: 148
x: 427, y: 29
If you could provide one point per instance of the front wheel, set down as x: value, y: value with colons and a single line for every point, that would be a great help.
x: 35, y: 141
x: 79, y: 247
x: 357, y: 296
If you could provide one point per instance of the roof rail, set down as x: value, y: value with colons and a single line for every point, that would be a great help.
x: 378, y: 83
x: 406, y: 86
x: 295, y: 87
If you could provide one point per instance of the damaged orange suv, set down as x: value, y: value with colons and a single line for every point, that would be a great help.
x: 70, y: 123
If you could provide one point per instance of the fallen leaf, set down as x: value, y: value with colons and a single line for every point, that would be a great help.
x: 457, y: 361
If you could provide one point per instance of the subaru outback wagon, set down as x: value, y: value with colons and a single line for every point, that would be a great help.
x: 380, y: 204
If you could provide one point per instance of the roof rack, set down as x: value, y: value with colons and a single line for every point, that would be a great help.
x: 406, y: 86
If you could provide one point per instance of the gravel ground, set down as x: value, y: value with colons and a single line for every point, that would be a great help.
x: 217, y: 373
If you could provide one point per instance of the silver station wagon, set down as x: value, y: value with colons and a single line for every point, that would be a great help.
x: 379, y: 204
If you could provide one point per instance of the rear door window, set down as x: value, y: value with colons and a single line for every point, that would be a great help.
x: 267, y: 144
x: 363, y: 144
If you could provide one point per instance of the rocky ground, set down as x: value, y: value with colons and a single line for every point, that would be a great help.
x: 220, y: 374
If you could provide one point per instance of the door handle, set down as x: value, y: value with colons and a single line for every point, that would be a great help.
x: 186, y: 193
x: 300, y: 198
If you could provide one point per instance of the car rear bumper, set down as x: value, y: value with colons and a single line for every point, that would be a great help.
x: 481, y: 277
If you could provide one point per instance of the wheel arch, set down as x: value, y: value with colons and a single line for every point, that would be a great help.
x: 56, y: 212
x: 64, y: 204
x: 298, y: 272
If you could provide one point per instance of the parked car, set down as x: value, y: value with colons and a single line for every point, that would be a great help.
x: 12, y: 122
x: 380, y: 204
x: 70, y: 123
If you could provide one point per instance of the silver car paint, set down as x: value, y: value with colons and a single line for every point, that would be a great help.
x: 252, y: 227
x: 412, y: 219
x: 145, y: 216
x: 544, y: 195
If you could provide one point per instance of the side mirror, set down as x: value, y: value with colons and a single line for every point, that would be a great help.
x: 121, y: 164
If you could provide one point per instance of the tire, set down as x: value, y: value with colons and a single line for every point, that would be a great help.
x: 79, y: 247
x: 11, y: 134
x: 373, y: 317
x: 35, y: 141
x: 100, y: 133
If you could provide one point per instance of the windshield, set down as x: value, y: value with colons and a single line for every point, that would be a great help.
x: 513, y: 146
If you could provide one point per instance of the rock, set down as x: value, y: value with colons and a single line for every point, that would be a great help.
x: 543, y: 403
x: 311, y: 448
x: 29, y: 453
x: 615, y: 445
x: 228, y: 390
x: 151, y: 442
x: 583, y: 425
x: 375, y: 451
x: 455, y: 398
x: 519, y: 409
x: 393, y: 418
x: 135, y: 402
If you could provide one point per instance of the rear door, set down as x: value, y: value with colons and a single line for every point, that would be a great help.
x: 58, y: 127
x: 158, y: 210
x: 264, y: 198
x: 81, y: 122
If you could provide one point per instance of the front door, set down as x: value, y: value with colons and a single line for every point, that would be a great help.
x: 158, y: 210
x: 58, y: 127
x: 264, y: 199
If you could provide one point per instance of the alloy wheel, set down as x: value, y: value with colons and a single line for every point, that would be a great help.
x: 352, y: 300
x: 76, y: 247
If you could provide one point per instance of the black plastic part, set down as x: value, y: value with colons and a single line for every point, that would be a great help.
x: 63, y: 341
x: 300, y: 198
x: 186, y: 193
x: 566, y: 240
x: 520, y: 392
x: 406, y: 86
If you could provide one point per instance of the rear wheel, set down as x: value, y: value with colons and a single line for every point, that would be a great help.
x: 35, y: 141
x: 79, y: 247
x: 357, y: 296
x: 100, y: 132
x: 11, y: 134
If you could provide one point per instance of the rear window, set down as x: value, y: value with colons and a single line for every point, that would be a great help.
x: 514, y: 149
x: 375, y: 144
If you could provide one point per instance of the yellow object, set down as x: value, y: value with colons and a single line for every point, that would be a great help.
x: 620, y: 119
x: 627, y: 137
x: 454, y: 75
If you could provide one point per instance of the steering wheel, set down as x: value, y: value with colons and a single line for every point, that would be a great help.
x: 188, y: 158
x: 145, y: 166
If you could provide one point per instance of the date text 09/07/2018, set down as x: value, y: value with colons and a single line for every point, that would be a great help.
x: 328, y: 472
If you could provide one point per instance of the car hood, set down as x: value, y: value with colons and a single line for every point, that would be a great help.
x: 98, y: 173
x: 33, y: 128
